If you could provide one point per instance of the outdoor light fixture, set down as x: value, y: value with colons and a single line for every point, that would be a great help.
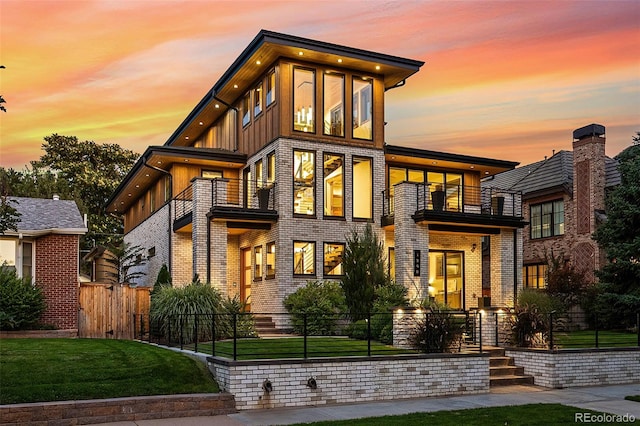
x: 311, y: 383
x: 267, y: 386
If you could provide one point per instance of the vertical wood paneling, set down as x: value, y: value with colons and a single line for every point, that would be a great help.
x: 105, y: 308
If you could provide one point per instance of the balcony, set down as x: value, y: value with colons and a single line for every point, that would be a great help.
x: 456, y: 204
x: 233, y: 200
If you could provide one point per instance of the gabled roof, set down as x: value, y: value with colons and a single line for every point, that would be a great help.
x: 551, y: 174
x: 39, y: 216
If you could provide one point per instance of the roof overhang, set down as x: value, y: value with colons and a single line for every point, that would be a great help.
x: 443, y: 160
x: 259, y: 56
x: 157, y: 161
x: 35, y: 233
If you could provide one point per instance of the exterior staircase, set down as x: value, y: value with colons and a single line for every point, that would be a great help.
x: 264, y: 325
x: 503, y: 371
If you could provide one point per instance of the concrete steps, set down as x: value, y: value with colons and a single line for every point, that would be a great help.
x: 503, y: 371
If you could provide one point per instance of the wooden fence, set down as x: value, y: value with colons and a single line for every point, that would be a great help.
x: 107, y: 310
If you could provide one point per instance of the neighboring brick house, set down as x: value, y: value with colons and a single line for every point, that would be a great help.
x: 257, y: 190
x: 563, y: 202
x: 46, y: 248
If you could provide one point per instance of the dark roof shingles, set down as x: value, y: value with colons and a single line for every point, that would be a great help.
x: 39, y: 214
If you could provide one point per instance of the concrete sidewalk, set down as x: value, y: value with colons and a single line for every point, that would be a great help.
x: 609, y: 399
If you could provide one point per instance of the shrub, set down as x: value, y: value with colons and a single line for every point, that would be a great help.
x: 163, y: 279
x: 245, y: 325
x: 320, y: 302
x: 529, y: 324
x: 174, y: 309
x: 21, y: 303
x: 438, y: 331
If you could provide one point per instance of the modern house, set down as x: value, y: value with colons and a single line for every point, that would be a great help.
x: 45, y: 248
x: 256, y: 191
x: 563, y: 202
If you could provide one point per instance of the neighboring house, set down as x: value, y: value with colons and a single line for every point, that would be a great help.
x: 258, y: 188
x: 46, y: 249
x: 104, y: 265
x: 563, y: 202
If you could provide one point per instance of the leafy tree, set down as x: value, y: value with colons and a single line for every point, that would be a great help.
x: 564, y: 282
x: 619, y: 236
x: 364, y: 266
x: 9, y: 216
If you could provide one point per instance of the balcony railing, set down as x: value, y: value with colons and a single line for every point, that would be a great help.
x: 438, y: 197
x: 230, y: 193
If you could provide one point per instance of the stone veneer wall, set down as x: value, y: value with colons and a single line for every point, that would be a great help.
x: 353, y: 379
x: 580, y: 367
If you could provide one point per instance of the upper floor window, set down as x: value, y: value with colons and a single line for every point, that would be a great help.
x: 246, y: 111
x: 445, y: 191
x: 333, y: 109
x: 535, y: 276
x: 211, y: 174
x: 304, y: 186
x: 167, y: 188
x: 257, y: 100
x: 362, y: 108
x: 257, y: 270
x: 304, y: 89
x: 259, y: 174
x: 547, y: 219
x: 271, y: 87
x: 362, y: 188
x: 333, y: 185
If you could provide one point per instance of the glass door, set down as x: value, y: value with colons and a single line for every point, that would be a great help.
x: 446, y: 278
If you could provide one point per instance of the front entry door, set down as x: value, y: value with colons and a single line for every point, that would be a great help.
x: 245, y: 277
x: 446, y: 278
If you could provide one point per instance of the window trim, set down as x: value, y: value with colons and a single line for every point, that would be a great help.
x: 324, y: 253
x: 258, y: 255
x: 245, y: 103
x: 271, y: 174
x: 271, y: 72
x: 355, y: 78
x: 324, y: 195
x: 269, y: 276
x: 314, y: 273
x: 257, y: 107
x: 313, y: 100
x: 540, y: 267
x: 552, y: 223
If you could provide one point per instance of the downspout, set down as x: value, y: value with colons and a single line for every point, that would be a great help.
x: 170, y: 199
x: 208, y: 250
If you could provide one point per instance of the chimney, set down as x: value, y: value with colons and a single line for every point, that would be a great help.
x: 56, y: 197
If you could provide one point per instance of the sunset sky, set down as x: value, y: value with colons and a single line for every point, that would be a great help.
x: 503, y: 79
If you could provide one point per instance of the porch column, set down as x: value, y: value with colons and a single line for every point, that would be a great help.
x: 201, y: 206
x: 410, y: 237
x: 218, y: 235
x: 506, y: 266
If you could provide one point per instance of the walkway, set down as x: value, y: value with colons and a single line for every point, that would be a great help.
x: 608, y: 399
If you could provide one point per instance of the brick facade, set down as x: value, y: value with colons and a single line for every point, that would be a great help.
x: 56, y: 272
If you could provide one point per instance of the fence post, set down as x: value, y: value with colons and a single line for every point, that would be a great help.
x: 369, y: 334
x: 213, y: 334
x: 181, y: 317
x: 195, y: 326
x: 480, y: 331
x: 596, y: 324
x: 304, y: 334
x: 169, y: 331
x: 551, y: 330
x: 235, y: 337
x: 638, y: 326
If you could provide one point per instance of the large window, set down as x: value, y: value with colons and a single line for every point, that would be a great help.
x: 333, y: 258
x: 547, y: 219
x: 271, y: 87
x: 535, y: 276
x: 257, y: 265
x: 246, y: 110
x: 304, y: 187
x: 445, y: 191
x: 304, y: 89
x: 8, y: 254
x: 446, y: 278
x: 271, y: 260
x: 257, y: 100
x: 333, y: 109
x: 362, y: 188
x: 333, y: 185
x: 362, y: 108
x: 304, y: 258
x: 211, y: 174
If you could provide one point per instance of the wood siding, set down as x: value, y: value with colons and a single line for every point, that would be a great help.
x: 107, y: 310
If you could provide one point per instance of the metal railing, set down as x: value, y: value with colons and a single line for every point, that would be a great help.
x: 184, y: 202
x: 459, y: 199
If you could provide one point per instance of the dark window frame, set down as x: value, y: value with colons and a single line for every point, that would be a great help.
x: 353, y: 192
x: 324, y: 195
x: 552, y: 219
x: 314, y: 273
x: 313, y: 185
x: 324, y: 252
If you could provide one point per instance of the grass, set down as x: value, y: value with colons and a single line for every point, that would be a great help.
x: 635, y: 398
x: 521, y: 415
x: 35, y: 370
x: 293, y: 347
x: 587, y: 339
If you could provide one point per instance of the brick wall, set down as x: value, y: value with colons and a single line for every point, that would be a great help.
x: 56, y: 272
x: 345, y: 380
x: 582, y: 367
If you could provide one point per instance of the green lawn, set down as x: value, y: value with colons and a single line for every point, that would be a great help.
x: 293, y: 347
x: 521, y: 415
x: 635, y: 398
x: 587, y: 339
x: 33, y: 370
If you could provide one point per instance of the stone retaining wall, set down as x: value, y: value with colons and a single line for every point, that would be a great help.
x: 350, y: 379
x: 117, y: 409
x: 579, y: 367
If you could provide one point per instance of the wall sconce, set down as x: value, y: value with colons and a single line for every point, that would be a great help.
x: 473, y: 247
x: 311, y: 383
x: 267, y: 386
